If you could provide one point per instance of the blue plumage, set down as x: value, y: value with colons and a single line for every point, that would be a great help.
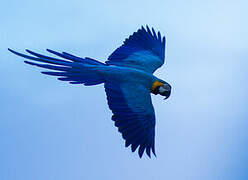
x: 128, y: 81
x: 148, y: 47
x: 74, y: 69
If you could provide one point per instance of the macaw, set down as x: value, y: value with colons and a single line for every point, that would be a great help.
x: 128, y: 80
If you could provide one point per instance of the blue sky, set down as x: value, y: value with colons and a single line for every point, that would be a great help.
x: 52, y: 130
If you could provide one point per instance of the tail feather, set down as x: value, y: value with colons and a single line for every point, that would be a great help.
x: 66, y: 56
x: 71, y: 68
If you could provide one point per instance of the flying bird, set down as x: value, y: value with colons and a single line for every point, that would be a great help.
x: 128, y: 80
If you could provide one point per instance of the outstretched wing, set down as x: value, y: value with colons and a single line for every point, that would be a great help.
x: 143, y: 50
x: 133, y: 114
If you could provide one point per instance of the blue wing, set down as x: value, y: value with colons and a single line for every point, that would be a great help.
x: 71, y: 68
x: 133, y: 115
x: 143, y: 50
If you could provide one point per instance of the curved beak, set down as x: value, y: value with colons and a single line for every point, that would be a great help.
x: 167, y: 94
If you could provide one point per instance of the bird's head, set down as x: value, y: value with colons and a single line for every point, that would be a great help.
x: 162, y: 88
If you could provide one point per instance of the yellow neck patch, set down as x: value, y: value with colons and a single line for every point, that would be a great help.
x: 155, y: 85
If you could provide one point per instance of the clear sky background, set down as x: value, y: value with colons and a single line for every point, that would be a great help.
x: 51, y: 130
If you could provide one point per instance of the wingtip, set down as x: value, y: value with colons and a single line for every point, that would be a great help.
x: 30, y: 63
x: 140, y: 154
x: 15, y: 52
x: 149, y: 155
x: 134, y: 147
x: 27, y: 50
x: 159, y: 36
x: 141, y: 150
x: 153, y: 151
x: 53, y: 52
x: 127, y: 143
x: 148, y: 152
x: 11, y: 50
x: 154, y: 33
x: 164, y: 41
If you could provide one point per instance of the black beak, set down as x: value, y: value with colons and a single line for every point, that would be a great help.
x: 166, y: 94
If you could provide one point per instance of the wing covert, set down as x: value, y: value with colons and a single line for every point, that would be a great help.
x: 143, y: 50
x: 133, y: 114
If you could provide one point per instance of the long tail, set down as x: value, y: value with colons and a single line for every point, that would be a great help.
x: 71, y: 68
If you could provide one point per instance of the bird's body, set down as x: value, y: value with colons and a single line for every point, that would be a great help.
x: 116, y: 74
x: 128, y: 80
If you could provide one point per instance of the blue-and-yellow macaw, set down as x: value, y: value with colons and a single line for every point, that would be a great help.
x: 128, y: 80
